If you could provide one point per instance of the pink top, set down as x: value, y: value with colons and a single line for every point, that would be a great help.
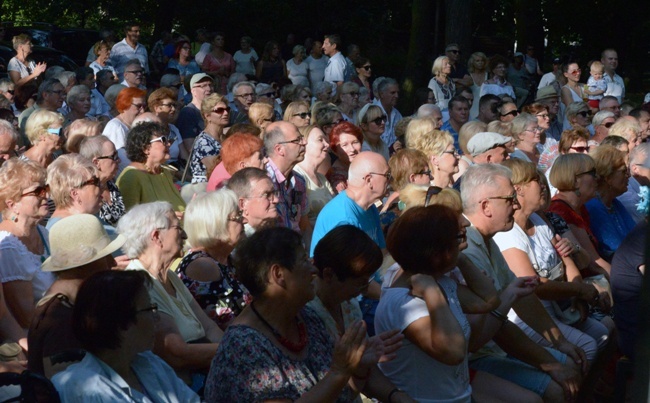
x: 218, y: 178
x: 224, y: 68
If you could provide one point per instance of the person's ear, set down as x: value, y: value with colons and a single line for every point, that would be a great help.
x: 485, y: 207
x: 276, y: 275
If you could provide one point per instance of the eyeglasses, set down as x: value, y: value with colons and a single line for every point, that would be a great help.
x: 387, y: 175
x: 543, y: 115
x: 453, y: 152
x: 535, y: 130
x: 163, y: 139
x: 113, y: 157
x: 271, y: 119
x: 584, y: 114
x: 136, y: 72
x: 10, y: 91
x: 170, y: 105
x: 140, y: 106
x: 297, y: 140
x: 267, y: 94
x: 92, y: 181
x: 432, y: 191
x: 221, y: 110
x: 153, y: 308
x: 56, y: 132
x: 238, y: 217
x: 270, y: 195
x: 591, y: 172
x: 40, y: 192
x: 352, y: 94
x: 510, y: 199
x: 581, y: 149
x: 608, y: 124
x: 426, y: 172
x: 513, y: 113
x: 251, y: 95
x: 380, y: 120
x: 367, y: 68
x: 303, y: 115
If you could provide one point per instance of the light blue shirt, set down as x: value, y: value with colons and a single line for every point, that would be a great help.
x: 91, y: 380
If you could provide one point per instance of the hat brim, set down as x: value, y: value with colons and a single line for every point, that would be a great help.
x: 110, y: 248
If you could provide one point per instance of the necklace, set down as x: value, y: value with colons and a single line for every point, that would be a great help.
x: 286, y: 343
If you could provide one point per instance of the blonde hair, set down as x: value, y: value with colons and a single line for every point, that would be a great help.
x: 259, y: 111
x: 497, y: 126
x: 16, y: 175
x: 432, y: 143
x: 417, y: 130
x: 68, y: 172
x: 206, y: 217
x: 627, y: 128
x: 403, y: 164
x: 209, y: 102
x: 78, y: 130
x: 415, y: 195
x: 437, y: 65
x: 607, y: 160
x: 523, y: 172
x: 566, y: 167
x: 38, y: 123
x: 472, y: 60
x: 467, y: 131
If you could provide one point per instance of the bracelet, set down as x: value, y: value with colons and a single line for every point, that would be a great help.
x: 503, y: 318
x: 392, y: 392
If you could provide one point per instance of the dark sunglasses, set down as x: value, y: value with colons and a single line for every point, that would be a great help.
x: 380, y: 120
x: 591, y: 172
x: 581, y: 149
x: 367, y: 68
x: 220, y: 110
x: 584, y: 114
x: 303, y: 115
x: 92, y: 181
x: 268, y: 95
x: 432, y: 191
x: 113, y: 157
x: 513, y: 113
x: 10, y: 91
x: 40, y: 191
x: 608, y: 124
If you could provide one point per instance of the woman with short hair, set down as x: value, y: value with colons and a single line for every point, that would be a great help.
x: 372, y: 120
x: 78, y: 99
x: 207, y: 145
x: 183, y: 61
x: 442, y: 86
x: 261, y: 115
x: 44, y: 132
x: 78, y: 130
x: 577, y: 114
x: 477, y: 67
x: 115, y: 321
x: 629, y: 129
x: 219, y: 63
x: 130, y: 102
x: 497, y: 84
x: 527, y: 135
x: 345, y: 141
x: 298, y: 113
x: 22, y: 69
x: 74, y: 186
x: 364, y: 72
x: 438, y: 146
x: 102, y: 50
x: 349, y: 101
x: 239, y: 151
x: 297, y: 68
x: 186, y: 338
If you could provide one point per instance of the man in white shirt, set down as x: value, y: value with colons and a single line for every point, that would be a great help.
x: 387, y: 96
x: 133, y: 75
x: 335, y: 70
x: 128, y: 49
x: 550, y: 77
x: 615, y: 83
x: 316, y: 64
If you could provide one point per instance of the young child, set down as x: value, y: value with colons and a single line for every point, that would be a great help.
x: 596, y: 85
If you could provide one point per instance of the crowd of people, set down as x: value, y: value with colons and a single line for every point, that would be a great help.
x: 273, y: 228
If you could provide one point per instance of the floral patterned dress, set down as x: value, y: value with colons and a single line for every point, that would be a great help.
x: 221, y: 300
x: 204, y: 146
x: 248, y: 367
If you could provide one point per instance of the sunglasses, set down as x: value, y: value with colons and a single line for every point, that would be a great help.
x: 303, y: 115
x: 169, y: 105
x: 113, y: 157
x: 163, y: 139
x: 608, y: 124
x: 584, y: 114
x: 591, y: 172
x: 10, y: 91
x: 268, y: 95
x: 513, y: 113
x: 367, y: 68
x: 581, y: 149
x: 432, y: 191
x: 380, y: 120
x: 56, y: 132
x: 92, y: 181
x: 40, y: 191
x: 221, y: 110
x: 575, y: 72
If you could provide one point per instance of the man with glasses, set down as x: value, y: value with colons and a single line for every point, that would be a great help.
x: 549, y: 97
x: 507, y: 112
x: 258, y: 198
x: 50, y: 96
x: 286, y: 147
x: 459, y: 74
x: 243, y: 97
x: 134, y: 75
x: 489, y: 203
x: 602, y: 122
x: 458, y: 116
x: 129, y: 48
x: 190, y: 120
x: 610, y: 103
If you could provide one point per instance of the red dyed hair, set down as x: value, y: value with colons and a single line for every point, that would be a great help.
x: 125, y: 98
x: 179, y: 45
x: 238, y: 147
x: 344, y: 128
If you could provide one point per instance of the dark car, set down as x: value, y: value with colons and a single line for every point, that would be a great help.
x: 39, y: 54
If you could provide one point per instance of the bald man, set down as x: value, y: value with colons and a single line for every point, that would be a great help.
x: 431, y: 111
x: 368, y: 179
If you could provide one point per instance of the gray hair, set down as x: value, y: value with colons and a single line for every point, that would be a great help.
x: 207, y: 215
x: 476, y: 180
x: 520, y: 123
x: 600, y: 117
x: 242, y: 84
x: 375, y: 84
x: 64, y: 77
x: 139, y: 222
x: 321, y: 87
x: 132, y: 62
x: 263, y: 88
x: 427, y: 110
x: 381, y: 87
x: 234, y: 79
x: 46, y: 86
x: 5, y: 83
x: 51, y: 72
x: 76, y: 92
x: 273, y: 137
x: 91, y: 147
x: 240, y: 182
x: 639, y: 154
x: 7, y: 128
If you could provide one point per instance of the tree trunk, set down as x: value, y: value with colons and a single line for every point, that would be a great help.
x: 458, y: 24
x: 418, y: 65
x: 530, y: 27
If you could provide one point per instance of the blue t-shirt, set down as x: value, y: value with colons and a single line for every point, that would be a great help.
x: 609, y: 227
x: 343, y: 210
x: 448, y: 127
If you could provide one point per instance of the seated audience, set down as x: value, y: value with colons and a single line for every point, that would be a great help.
x: 240, y: 150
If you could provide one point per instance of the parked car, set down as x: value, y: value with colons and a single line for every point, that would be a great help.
x: 50, y: 56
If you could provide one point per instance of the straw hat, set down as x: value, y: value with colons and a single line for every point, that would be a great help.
x: 78, y: 240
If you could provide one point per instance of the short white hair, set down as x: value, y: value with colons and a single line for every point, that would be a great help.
x: 206, y: 217
x: 8, y: 129
x: 477, y: 179
x: 321, y: 87
x: 64, y: 77
x: 140, y: 222
x: 426, y: 110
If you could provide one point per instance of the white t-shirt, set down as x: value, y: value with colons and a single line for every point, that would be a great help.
x: 298, y: 73
x: 547, y: 79
x: 316, y: 70
x: 24, y: 70
x: 243, y: 62
x: 116, y: 132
